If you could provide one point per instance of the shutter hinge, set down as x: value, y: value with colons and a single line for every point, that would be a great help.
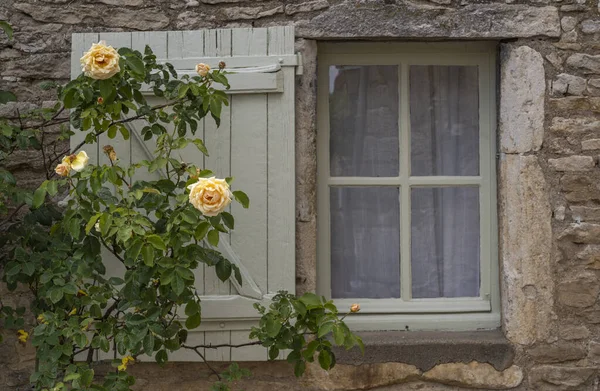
x: 299, y: 66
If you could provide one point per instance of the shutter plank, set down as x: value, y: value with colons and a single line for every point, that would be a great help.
x: 281, y: 185
x: 246, y: 353
x: 218, y: 338
x: 249, y: 138
x: 175, y: 47
x: 218, y: 142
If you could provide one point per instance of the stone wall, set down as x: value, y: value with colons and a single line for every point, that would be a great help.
x: 548, y: 181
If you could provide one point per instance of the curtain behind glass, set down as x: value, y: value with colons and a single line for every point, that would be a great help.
x: 444, y: 109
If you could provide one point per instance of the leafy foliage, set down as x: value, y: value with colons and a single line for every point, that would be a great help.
x: 149, y: 307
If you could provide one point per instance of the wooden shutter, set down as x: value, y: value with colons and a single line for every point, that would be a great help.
x: 254, y: 144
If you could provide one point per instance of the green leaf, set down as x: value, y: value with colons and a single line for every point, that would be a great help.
x: 237, y: 273
x: 7, y: 96
x: 148, y: 255
x: 201, y: 147
x: 338, y: 335
x: 136, y: 65
x: 242, y: 198
x: 273, y: 327
x: 177, y: 284
x: 162, y: 356
x: 310, y: 300
x: 156, y: 241
x: 202, y: 230
x: 55, y: 294
x: 104, y: 344
x: 148, y: 344
x: 223, y: 269
x: 112, y: 131
x: 299, y: 368
x: 325, y: 359
x: 228, y: 220
x: 38, y: 197
x: 325, y: 329
x: 213, y: 238
x: 193, y: 321
x: 91, y: 222
x: 7, y: 28
x: 192, y: 308
x: 70, y: 289
x: 87, y: 376
x: 106, y: 88
x: 273, y: 353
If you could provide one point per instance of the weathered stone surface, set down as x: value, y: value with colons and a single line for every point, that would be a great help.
x: 225, y: 1
x: 594, y: 352
x: 130, y: 3
x: 576, y: 105
x: 585, y: 213
x: 585, y: 63
x: 594, y: 87
x: 189, y: 20
x: 522, y: 91
x: 569, y: 37
x: 580, y: 293
x: 476, y: 375
x: 306, y: 168
x: 572, y: 163
x: 249, y: 13
x: 553, y: 377
x: 555, y: 60
x: 557, y: 353
x: 581, y: 233
x: 559, y: 213
x: 525, y: 251
x: 573, y: 332
x: 344, y: 377
x: 574, y: 125
x: 568, y: 23
x: 590, y: 144
x: 152, y: 18
x: 566, y: 84
x: 354, y: 19
x: 590, y: 26
x: 308, y: 6
x: 590, y: 255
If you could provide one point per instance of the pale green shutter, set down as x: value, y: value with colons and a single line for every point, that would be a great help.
x: 254, y: 144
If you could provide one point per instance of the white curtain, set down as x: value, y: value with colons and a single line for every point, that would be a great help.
x: 365, y: 229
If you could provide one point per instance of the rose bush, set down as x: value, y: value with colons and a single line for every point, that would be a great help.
x: 160, y: 231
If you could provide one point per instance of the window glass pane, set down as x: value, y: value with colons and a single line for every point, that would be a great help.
x: 365, y: 242
x: 444, y: 120
x: 445, y: 242
x: 363, y: 112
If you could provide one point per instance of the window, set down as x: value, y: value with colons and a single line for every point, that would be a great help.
x: 406, y: 179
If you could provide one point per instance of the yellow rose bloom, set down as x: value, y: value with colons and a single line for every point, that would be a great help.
x: 63, y: 169
x: 125, y: 361
x: 100, y: 62
x: 202, y: 69
x: 80, y: 161
x: 23, y: 335
x: 42, y: 319
x: 355, y: 308
x: 210, y: 195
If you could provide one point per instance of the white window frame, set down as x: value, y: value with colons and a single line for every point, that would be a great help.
x: 405, y: 313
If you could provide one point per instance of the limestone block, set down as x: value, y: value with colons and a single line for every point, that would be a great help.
x: 476, y: 375
x: 560, y: 352
x: 522, y: 90
x: 555, y: 378
x: 248, y: 13
x: 590, y: 256
x: 581, y: 292
x: 590, y: 26
x: 572, y: 332
x: 308, y: 6
x: 581, y: 233
x: 574, y: 125
x: 585, y: 63
x: 350, y: 377
x: 525, y: 251
x: 568, y: 23
x: 355, y: 19
x: 590, y: 144
x: 572, y: 163
x: 585, y: 213
x: 565, y: 84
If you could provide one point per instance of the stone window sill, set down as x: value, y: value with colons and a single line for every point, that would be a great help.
x: 426, y: 349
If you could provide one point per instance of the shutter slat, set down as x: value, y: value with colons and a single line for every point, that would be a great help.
x: 218, y: 338
x: 281, y: 192
x: 218, y: 141
x: 249, y: 138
